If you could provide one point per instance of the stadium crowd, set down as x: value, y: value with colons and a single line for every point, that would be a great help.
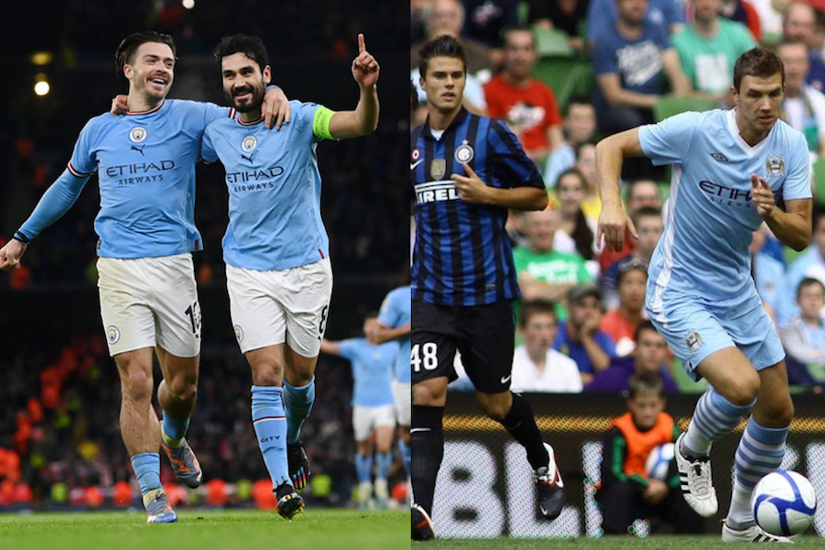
x: 563, y: 75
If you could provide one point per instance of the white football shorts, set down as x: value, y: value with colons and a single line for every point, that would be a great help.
x: 272, y: 307
x: 148, y: 302
x: 366, y: 419
x: 402, y: 393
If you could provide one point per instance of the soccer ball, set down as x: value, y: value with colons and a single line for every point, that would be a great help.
x: 784, y: 503
x: 658, y: 461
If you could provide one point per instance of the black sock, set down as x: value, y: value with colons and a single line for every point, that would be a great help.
x: 522, y: 426
x: 427, y: 447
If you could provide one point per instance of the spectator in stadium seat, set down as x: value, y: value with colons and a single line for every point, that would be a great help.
x: 146, y: 240
x: 575, y: 232
x: 580, y: 338
x: 463, y: 190
x: 649, y: 227
x: 742, y: 11
x: 579, y: 126
x: 527, y: 106
x: 804, y: 336
x: 630, y: 60
x: 626, y: 491
x: 537, y: 367
x: 769, y: 277
x: 373, y: 418
x: 448, y: 17
x: 487, y: 19
x: 810, y: 263
x: 709, y: 46
x: 620, y: 322
x: 279, y: 287
x: 804, y: 106
x: 702, y: 297
x: 649, y: 356
x: 798, y: 24
x: 543, y: 272
x: 668, y: 15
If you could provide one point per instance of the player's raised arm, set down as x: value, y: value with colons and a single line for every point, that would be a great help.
x: 364, y: 119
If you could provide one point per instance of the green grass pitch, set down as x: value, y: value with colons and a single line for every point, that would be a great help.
x: 322, y: 529
x: 655, y: 542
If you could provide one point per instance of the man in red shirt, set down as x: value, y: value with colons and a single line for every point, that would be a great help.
x: 528, y: 106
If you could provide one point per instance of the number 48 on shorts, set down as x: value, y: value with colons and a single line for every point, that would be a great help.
x: 424, y: 356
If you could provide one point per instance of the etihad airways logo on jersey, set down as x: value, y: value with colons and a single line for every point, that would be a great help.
x: 436, y: 191
x: 143, y: 172
x: 253, y: 180
x: 727, y: 196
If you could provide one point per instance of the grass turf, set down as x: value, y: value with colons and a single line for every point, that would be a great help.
x: 655, y: 542
x: 206, y: 530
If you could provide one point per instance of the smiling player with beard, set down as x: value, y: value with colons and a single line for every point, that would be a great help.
x: 276, y: 249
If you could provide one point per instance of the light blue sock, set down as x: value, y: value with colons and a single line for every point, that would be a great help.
x: 713, y: 419
x: 297, y: 404
x: 383, y: 461
x: 363, y: 468
x: 405, y: 454
x: 175, y: 428
x: 147, y: 471
x: 270, y: 427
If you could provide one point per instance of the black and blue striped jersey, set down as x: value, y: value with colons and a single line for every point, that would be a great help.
x: 462, y: 255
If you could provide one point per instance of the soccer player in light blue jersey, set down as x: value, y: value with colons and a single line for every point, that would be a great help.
x: 276, y: 248
x: 732, y: 170
x: 394, y: 322
x: 372, y: 410
x: 148, y: 298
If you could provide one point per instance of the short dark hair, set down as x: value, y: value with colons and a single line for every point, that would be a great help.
x: 630, y: 265
x: 128, y: 47
x: 757, y: 62
x: 251, y: 46
x: 643, y: 326
x: 646, y: 383
x: 535, y: 307
x: 646, y: 212
x: 413, y: 96
x: 806, y: 282
x: 441, y: 46
x: 576, y: 100
x: 519, y: 28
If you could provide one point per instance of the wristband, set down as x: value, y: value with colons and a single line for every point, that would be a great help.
x: 24, y: 240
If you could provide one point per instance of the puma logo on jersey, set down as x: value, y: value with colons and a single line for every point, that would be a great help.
x: 139, y: 149
x: 249, y: 158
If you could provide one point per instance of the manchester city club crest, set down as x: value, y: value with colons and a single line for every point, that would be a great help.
x: 238, y: 333
x: 112, y: 334
x: 464, y: 153
x: 438, y: 168
x: 249, y: 143
x: 137, y: 134
x: 775, y: 166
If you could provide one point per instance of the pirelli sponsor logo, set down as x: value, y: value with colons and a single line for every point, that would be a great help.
x: 436, y: 191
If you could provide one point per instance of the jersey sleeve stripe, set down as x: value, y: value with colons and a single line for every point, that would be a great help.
x: 75, y: 172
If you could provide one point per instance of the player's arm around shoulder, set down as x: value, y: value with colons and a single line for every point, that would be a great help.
x: 364, y: 119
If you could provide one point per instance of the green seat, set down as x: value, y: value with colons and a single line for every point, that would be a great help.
x: 818, y: 170
x: 553, y: 43
x: 669, y: 105
x: 567, y: 76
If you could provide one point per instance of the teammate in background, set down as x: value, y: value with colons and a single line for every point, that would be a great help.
x: 276, y: 249
x: 626, y: 491
x: 372, y: 410
x: 734, y: 169
x: 394, y: 323
x: 148, y: 297
x: 467, y: 171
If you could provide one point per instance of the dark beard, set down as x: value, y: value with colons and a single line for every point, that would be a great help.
x: 253, y: 104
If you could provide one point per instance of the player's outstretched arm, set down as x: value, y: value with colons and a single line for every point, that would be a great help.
x: 364, y: 119
x: 333, y: 348
x: 377, y: 333
x: 10, y: 255
x: 610, y: 154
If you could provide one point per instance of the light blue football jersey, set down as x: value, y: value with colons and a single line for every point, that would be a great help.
x: 274, y: 191
x: 146, y: 166
x: 710, y: 217
x: 396, y: 310
x: 371, y: 371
